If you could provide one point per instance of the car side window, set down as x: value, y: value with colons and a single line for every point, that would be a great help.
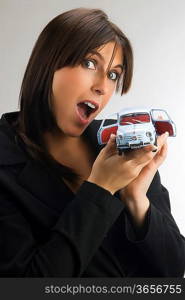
x: 159, y: 115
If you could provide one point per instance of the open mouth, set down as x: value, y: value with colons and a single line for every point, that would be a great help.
x: 86, y: 108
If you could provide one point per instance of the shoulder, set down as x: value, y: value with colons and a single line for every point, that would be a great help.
x: 10, y: 150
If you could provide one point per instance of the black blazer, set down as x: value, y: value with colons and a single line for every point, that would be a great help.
x: 48, y: 231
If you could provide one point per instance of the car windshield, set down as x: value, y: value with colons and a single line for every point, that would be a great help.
x: 135, y: 118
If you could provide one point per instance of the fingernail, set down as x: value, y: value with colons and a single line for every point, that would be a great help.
x: 155, y: 149
x: 166, y: 133
x: 112, y: 135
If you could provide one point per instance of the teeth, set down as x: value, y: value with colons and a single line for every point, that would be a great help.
x: 90, y: 104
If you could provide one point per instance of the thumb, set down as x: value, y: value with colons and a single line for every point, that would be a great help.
x: 110, y: 147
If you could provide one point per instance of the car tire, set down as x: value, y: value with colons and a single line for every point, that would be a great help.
x: 155, y: 143
x: 119, y: 152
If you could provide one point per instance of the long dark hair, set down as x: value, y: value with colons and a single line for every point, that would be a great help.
x: 65, y: 41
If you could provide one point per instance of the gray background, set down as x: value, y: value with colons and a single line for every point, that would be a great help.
x: 157, y: 32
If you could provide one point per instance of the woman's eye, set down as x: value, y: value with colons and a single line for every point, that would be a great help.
x: 113, y: 76
x: 89, y: 64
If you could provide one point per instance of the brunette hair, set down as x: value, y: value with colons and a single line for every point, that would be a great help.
x: 65, y: 41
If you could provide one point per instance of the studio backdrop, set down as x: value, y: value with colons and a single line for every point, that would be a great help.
x: 156, y: 30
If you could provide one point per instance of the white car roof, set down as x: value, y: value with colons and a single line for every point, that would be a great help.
x: 130, y: 110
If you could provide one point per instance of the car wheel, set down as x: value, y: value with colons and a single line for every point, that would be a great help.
x: 119, y: 152
x: 155, y: 143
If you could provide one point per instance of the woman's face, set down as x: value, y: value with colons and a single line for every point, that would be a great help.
x: 81, y: 92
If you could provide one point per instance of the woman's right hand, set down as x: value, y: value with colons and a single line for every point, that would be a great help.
x: 113, y: 172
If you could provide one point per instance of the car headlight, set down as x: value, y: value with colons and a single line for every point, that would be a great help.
x: 148, y: 133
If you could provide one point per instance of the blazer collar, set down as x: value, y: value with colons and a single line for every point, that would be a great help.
x: 10, y: 151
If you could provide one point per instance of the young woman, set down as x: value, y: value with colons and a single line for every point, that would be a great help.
x: 68, y: 207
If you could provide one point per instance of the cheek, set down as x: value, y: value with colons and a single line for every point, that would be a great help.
x: 108, y: 97
x: 61, y: 84
x: 70, y: 83
x: 63, y: 91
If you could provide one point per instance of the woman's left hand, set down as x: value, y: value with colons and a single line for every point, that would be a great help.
x: 134, y: 194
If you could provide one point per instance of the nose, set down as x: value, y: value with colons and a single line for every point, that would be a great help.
x: 99, y: 85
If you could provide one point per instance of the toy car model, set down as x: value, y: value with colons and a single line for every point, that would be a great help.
x: 136, y: 127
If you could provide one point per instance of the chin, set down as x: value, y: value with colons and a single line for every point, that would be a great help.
x: 75, y: 132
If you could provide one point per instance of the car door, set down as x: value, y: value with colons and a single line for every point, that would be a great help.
x: 107, y: 127
x: 162, y: 122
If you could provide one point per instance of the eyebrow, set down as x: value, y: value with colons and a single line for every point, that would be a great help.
x: 101, y: 57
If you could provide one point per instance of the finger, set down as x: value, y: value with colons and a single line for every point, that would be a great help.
x: 161, y: 155
x: 162, y: 139
x: 149, y: 148
x: 143, y: 154
x: 160, y: 150
x: 110, y: 147
x: 164, y: 149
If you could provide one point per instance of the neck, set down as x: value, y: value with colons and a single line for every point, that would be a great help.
x: 60, y: 145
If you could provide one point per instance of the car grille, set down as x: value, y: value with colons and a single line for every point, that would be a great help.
x: 128, y: 138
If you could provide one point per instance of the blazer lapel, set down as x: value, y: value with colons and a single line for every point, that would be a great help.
x: 45, y: 186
